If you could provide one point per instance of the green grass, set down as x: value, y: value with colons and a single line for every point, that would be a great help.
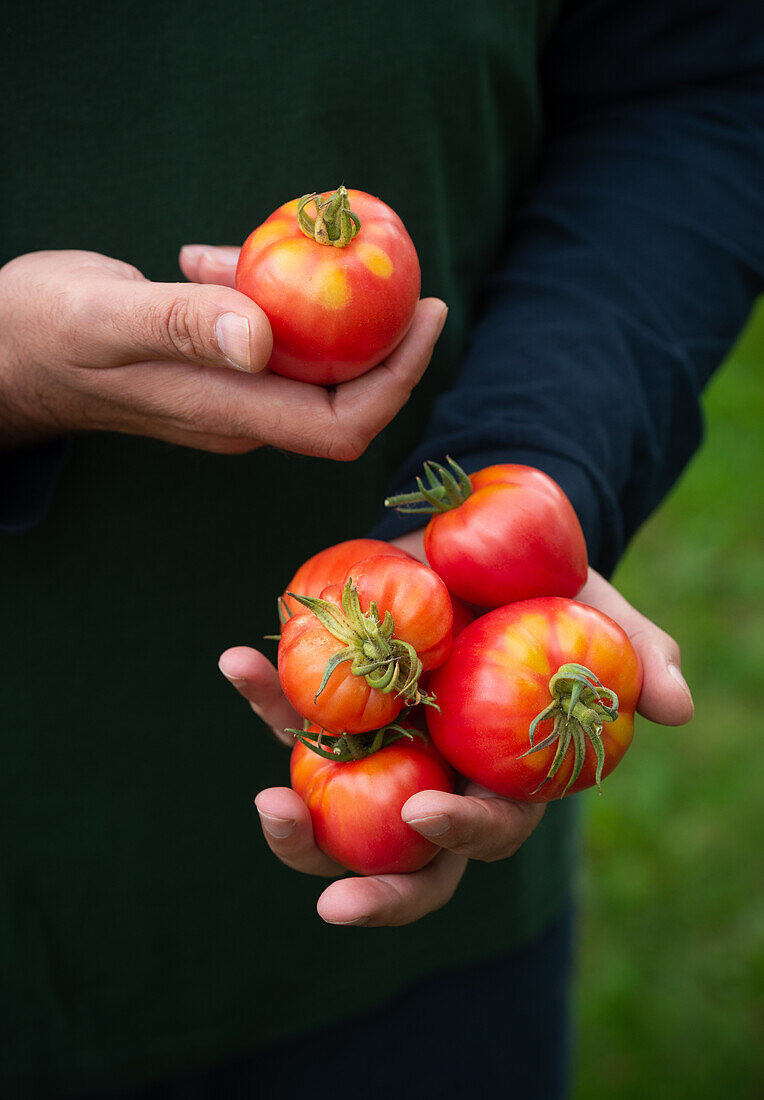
x: 670, y: 997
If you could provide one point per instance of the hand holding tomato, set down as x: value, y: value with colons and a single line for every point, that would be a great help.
x: 474, y: 824
x: 87, y: 343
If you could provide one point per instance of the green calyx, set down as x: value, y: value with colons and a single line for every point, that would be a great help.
x: 346, y: 747
x: 580, y: 705
x: 334, y: 224
x: 446, y: 489
x: 387, y: 663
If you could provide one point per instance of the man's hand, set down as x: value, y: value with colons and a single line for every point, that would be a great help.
x: 474, y: 824
x: 87, y: 343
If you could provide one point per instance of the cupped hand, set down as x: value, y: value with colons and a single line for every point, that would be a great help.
x: 473, y: 824
x: 87, y: 343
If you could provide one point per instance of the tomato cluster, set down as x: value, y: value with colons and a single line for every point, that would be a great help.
x: 533, y: 700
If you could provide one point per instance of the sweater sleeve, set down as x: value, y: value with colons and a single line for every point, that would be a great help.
x: 28, y: 478
x: 631, y: 267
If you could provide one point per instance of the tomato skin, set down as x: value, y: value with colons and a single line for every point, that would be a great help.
x: 421, y: 608
x: 356, y: 807
x: 496, y: 681
x: 330, y: 566
x: 334, y: 312
x: 417, y: 599
x: 515, y: 537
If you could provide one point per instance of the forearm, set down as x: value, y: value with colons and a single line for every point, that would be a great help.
x: 631, y: 268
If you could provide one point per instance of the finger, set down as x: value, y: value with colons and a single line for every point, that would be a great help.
x: 206, y: 263
x: 413, y: 543
x: 478, y: 824
x: 365, y: 405
x: 211, y: 326
x: 665, y: 697
x: 254, y: 677
x: 223, y: 410
x: 392, y: 900
x: 288, y: 831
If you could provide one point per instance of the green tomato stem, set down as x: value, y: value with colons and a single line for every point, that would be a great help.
x: 356, y: 746
x: 446, y: 489
x: 388, y: 663
x: 580, y: 705
x: 334, y: 224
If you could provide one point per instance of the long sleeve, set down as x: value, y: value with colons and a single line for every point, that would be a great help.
x: 631, y: 267
x: 28, y: 481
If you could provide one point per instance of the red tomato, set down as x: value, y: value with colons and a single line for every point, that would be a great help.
x: 330, y: 566
x: 496, y: 682
x: 396, y: 622
x: 335, y: 312
x: 356, y: 807
x: 507, y: 533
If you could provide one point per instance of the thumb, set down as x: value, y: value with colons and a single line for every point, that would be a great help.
x: 213, y: 326
x: 665, y: 695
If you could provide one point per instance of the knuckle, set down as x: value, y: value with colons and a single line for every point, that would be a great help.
x: 178, y: 325
x: 346, y: 448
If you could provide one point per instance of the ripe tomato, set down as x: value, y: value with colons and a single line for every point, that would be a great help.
x: 496, y: 683
x: 356, y: 807
x: 335, y: 312
x: 504, y: 534
x: 330, y: 566
x: 355, y: 662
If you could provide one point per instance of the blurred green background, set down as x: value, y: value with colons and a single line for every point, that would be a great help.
x: 670, y: 995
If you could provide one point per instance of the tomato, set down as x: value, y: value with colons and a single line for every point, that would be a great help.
x: 391, y: 619
x: 335, y: 312
x: 496, y: 683
x: 330, y: 566
x: 504, y: 534
x: 356, y: 807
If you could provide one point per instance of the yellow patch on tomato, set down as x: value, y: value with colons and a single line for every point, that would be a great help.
x: 269, y: 232
x: 331, y: 287
x: 571, y: 639
x: 288, y: 260
x: 375, y: 259
x: 289, y: 209
x: 519, y: 649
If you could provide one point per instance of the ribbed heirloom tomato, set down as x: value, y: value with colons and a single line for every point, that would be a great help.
x: 537, y: 699
x: 355, y: 662
x: 338, y: 277
x: 330, y: 566
x: 503, y: 534
x: 356, y: 807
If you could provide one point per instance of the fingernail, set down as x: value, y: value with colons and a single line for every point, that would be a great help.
x: 435, y: 825
x: 192, y: 251
x: 277, y: 827
x: 359, y: 922
x: 676, y: 674
x: 231, y: 679
x: 442, y: 322
x: 232, y: 331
